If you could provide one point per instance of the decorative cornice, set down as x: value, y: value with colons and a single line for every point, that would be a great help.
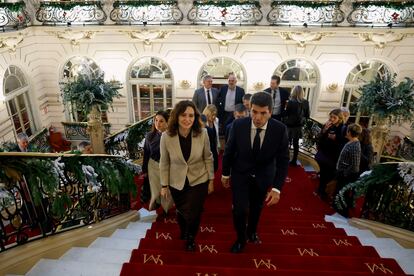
x: 302, y: 38
x: 74, y: 36
x: 381, y: 40
x: 148, y: 36
x: 11, y: 42
x: 224, y: 37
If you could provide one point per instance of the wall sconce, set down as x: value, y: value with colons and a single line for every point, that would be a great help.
x: 332, y: 87
x: 258, y: 86
x: 185, y: 84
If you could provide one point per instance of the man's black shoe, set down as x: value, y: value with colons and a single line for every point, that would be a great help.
x: 237, y: 247
x: 254, y: 238
x: 190, y: 245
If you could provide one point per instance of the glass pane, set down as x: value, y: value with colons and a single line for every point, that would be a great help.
x: 144, y: 91
x: 169, y: 91
x: 169, y: 103
x: 29, y: 131
x: 20, y: 101
x: 16, y: 121
x: 158, y: 92
x: 145, y: 108
x: 220, y: 68
x: 12, y: 107
x: 158, y: 104
x: 12, y: 84
x: 25, y: 117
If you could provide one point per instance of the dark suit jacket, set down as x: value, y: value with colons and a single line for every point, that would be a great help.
x: 199, y: 98
x: 221, y: 100
x: 284, y: 97
x: 272, y: 165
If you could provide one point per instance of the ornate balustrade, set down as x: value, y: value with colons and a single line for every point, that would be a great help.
x: 78, y: 131
x: 146, y: 12
x: 71, y: 12
x: 311, y: 130
x: 40, y: 141
x: 306, y: 13
x: 129, y: 142
x: 382, y: 14
x: 13, y: 16
x: 42, y: 194
x: 225, y: 12
x: 388, y: 193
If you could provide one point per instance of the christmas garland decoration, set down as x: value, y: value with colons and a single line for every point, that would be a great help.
x: 116, y: 4
x: 226, y: 3
x: 69, y: 5
x: 387, y: 4
x: 306, y: 4
x: 13, y: 7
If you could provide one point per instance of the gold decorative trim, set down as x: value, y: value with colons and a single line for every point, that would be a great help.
x: 74, y: 36
x: 147, y: 36
x: 302, y: 38
x: 224, y: 37
x: 380, y: 40
x: 11, y: 42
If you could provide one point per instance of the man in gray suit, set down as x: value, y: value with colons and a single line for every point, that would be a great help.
x: 205, y: 95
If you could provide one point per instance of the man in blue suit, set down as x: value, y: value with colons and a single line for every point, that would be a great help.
x: 256, y: 157
x: 205, y: 95
x: 228, y: 97
x: 280, y: 96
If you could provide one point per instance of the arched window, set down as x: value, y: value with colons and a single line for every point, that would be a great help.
x: 298, y: 72
x: 80, y: 66
x: 219, y: 68
x: 151, y: 86
x: 361, y: 74
x: 16, y: 92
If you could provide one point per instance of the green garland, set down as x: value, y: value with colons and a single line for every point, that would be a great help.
x: 306, y: 4
x: 69, y: 5
x: 14, y: 7
x: 145, y: 3
x: 387, y: 4
x: 226, y: 3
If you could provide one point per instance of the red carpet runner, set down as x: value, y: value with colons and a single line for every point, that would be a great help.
x: 296, y: 241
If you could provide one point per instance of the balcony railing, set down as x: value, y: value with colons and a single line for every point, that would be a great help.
x: 78, y: 131
x: 143, y: 12
x: 71, y: 12
x: 306, y: 13
x: 43, y: 193
x: 40, y: 141
x: 225, y: 12
x: 311, y: 130
x: 13, y: 16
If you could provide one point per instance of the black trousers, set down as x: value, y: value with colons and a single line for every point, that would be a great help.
x: 189, y: 203
x: 248, y: 200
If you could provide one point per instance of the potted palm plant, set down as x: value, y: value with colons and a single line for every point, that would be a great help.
x: 88, y: 96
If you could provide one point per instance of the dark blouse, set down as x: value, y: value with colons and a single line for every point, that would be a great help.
x: 151, y: 149
x: 185, y: 144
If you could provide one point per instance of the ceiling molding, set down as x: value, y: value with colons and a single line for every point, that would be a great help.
x: 302, y: 38
x: 380, y: 40
x: 74, y: 37
x: 224, y: 37
x: 148, y: 36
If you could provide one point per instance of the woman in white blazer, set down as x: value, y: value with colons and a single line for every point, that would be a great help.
x: 186, y: 166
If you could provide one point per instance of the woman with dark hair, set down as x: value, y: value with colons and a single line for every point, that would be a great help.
x: 186, y: 166
x: 367, y: 150
x: 150, y: 165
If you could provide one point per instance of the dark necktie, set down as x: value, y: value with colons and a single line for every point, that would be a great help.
x: 256, y: 142
x: 208, y: 97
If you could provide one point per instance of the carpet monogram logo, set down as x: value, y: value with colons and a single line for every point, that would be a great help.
x: 165, y: 236
x: 318, y: 225
x: 268, y: 264
x: 306, y: 251
x: 170, y: 221
x: 378, y: 267
x: 342, y: 242
x: 207, y: 229
x: 151, y: 258
x: 209, y: 248
x: 288, y: 232
x: 205, y: 274
x: 296, y: 209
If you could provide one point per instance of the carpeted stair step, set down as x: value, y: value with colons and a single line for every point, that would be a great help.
x: 310, y: 261
x: 129, y: 269
x: 209, y: 247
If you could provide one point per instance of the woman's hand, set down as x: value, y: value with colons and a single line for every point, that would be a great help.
x: 211, y: 186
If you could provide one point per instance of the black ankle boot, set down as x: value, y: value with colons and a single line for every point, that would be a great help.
x: 190, y: 245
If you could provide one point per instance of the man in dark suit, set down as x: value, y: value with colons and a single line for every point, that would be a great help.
x: 205, y: 95
x: 256, y: 156
x: 228, y: 97
x: 280, y: 97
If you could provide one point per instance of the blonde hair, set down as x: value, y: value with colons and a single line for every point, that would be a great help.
x: 210, y: 110
x: 297, y: 93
